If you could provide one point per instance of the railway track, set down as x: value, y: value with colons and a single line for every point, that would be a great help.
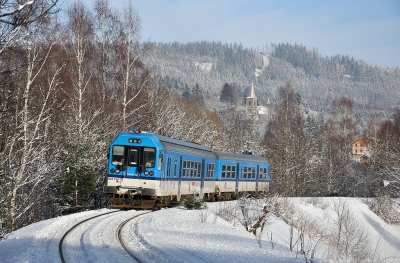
x: 121, y: 241
x: 118, y: 234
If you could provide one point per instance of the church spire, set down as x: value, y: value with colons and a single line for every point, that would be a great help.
x: 251, y: 103
x: 252, y: 93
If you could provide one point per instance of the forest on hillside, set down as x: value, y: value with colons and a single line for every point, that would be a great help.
x: 72, y: 77
x: 319, y: 80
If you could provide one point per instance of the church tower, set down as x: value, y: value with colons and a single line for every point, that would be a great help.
x: 251, y: 103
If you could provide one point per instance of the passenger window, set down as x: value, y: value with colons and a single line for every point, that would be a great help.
x: 223, y: 171
x: 184, y: 168
x: 210, y: 170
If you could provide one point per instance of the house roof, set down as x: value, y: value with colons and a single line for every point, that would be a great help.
x: 365, y: 140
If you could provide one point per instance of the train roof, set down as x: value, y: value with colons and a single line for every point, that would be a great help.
x: 241, y: 157
x: 185, y: 147
x: 175, y: 145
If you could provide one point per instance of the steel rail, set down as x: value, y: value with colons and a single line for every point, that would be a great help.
x: 72, y: 228
x: 119, y: 237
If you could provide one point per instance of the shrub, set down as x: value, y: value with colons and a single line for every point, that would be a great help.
x: 191, y: 203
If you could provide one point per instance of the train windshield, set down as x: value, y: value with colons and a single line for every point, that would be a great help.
x: 133, y: 156
x: 149, y: 155
x: 117, y: 155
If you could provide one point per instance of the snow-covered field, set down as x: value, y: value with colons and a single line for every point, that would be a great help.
x: 180, y: 235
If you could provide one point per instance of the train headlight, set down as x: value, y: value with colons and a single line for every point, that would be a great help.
x: 117, y: 171
x: 151, y: 173
x: 133, y: 140
x: 112, y: 171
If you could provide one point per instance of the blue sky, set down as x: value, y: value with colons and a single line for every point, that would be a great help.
x: 367, y: 30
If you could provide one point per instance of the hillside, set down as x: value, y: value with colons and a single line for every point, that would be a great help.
x: 318, y: 79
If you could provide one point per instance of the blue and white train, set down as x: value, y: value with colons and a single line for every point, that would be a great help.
x: 146, y: 170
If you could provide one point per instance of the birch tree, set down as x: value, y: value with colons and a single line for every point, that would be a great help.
x: 27, y: 148
x: 287, y: 145
x: 82, y: 125
x: 340, y: 130
x: 238, y: 130
x: 16, y: 14
x: 106, y: 33
x: 387, y: 155
x: 134, y: 76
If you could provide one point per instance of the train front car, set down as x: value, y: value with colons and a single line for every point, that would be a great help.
x: 134, y: 170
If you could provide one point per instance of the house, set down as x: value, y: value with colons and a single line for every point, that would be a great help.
x: 361, y: 150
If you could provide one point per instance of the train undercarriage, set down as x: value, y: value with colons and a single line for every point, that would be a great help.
x: 133, y: 199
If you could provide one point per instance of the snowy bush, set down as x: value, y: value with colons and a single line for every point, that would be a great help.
x: 192, y: 202
x: 386, y: 208
x: 228, y: 211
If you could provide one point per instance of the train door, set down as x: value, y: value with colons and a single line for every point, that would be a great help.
x: 174, y: 175
x: 133, y: 159
x: 238, y: 173
x: 178, y: 197
x: 257, y: 177
x: 163, y: 168
x: 169, y: 171
x: 202, y: 174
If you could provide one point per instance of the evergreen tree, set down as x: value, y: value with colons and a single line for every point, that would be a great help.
x: 229, y: 94
x: 78, y: 181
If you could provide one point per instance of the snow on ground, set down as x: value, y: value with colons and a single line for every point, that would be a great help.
x: 180, y: 235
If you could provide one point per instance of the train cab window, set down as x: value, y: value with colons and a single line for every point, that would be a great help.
x: 133, y: 157
x: 149, y: 157
x: 117, y: 155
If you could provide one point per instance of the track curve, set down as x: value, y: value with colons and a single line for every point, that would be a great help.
x: 102, y: 238
x: 121, y: 241
x: 60, y: 250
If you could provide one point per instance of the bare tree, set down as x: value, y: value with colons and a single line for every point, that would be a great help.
x: 238, y: 128
x: 106, y: 33
x: 340, y: 130
x: 349, y: 239
x: 288, y: 146
x: 387, y: 155
x: 85, y: 123
x: 133, y: 75
x: 16, y: 14
x: 79, y: 40
x: 28, y: 143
